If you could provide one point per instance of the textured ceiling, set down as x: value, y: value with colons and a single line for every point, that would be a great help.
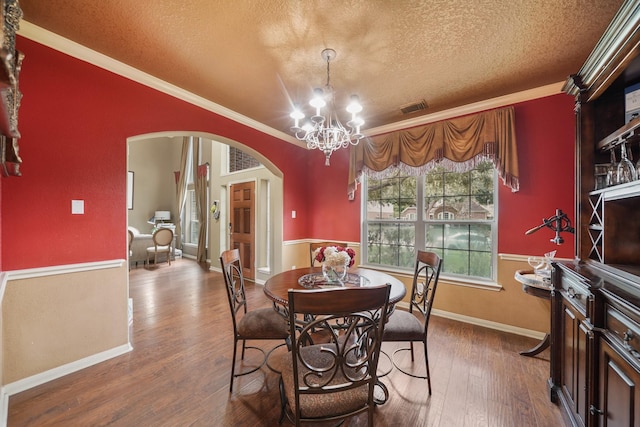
x: 258, y: 57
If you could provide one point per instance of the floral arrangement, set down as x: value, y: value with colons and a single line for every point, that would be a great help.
x: 335, y: 255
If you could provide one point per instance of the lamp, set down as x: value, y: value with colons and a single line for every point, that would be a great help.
x: 326, y: 132
x: 159, y: 216
x: 163, y: 215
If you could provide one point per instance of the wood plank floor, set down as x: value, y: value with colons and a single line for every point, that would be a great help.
x: 178, y: 371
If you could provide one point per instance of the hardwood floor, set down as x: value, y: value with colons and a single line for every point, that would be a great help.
x: 178, y: 371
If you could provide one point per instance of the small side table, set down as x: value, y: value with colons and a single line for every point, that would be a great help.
x: 534, y: 284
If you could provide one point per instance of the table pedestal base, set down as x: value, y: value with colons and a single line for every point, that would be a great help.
x: 542, y: 346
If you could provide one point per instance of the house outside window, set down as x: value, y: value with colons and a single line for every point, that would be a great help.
x: 446, y: 212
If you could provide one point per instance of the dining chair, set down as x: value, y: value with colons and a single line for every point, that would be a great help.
x: 162, y: 239
x: 405, y: 325
x: 315, y: 245
x: 259, y: 324
x: 333, y: 380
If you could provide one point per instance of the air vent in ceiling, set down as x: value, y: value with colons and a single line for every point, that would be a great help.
x: 416, y: 106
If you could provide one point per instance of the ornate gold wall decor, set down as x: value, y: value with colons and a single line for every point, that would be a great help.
x: 10, y: 65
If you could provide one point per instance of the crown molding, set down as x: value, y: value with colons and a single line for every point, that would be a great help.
x: 76, y: 50
x: 476, y: 107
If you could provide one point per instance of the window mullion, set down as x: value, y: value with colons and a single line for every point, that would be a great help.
x: 420, y: 214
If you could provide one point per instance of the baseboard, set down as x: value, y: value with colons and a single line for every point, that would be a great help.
x: 482, y: 322
x: 4, y: 409
x: 60, y: 371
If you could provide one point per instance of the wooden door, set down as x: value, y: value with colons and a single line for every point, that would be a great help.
x: 242, y: 225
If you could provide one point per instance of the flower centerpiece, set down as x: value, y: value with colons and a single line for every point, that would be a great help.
x: 335, y: 260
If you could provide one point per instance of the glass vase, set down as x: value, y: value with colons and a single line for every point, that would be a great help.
x: 335, y: 273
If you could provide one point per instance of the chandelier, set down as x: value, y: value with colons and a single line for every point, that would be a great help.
x: 325, y: 131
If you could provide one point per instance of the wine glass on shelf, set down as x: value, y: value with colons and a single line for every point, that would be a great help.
x: 612, y: 169
x: 626, y: 171
x: 638, y: 168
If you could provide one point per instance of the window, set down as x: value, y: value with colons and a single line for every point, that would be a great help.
x: 239, y: 160
x: 450, y: 213
x: 192, y: 224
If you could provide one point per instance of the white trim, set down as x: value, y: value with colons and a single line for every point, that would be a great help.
x: 525, y: 258
x: 482, y: 322
x: 3, y: 287
x: 76, y: 50
x: 470, y: 283
x: 60, y: 371
x: 476, y: 107
x: 489, y: 324
x: 4, y: 399
x: 63, y: 269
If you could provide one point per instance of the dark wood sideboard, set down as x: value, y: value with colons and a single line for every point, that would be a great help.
x: 595, y: 301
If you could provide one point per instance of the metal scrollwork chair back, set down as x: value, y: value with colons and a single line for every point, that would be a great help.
x: 405, y: 326
x: 335, y: 379
x: 259, y: 324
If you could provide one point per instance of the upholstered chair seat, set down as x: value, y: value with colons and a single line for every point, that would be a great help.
x: 403, y: 326
x: 263, y: 323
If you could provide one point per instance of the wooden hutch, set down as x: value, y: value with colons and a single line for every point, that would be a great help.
x: 595, y: 309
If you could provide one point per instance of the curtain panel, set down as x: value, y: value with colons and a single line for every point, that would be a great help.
x: 181, y: 188
x: 457, y: 144
x: 201, y: 202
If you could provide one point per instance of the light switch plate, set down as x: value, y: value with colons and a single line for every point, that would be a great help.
x: 77, y: 207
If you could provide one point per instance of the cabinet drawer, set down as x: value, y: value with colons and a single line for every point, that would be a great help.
x: 625, y: 329
x: 577, y: 294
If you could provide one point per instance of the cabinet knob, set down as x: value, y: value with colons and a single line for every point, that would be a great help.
x: 595, y: 411
x: 627, y: 336
x: 572, y: 293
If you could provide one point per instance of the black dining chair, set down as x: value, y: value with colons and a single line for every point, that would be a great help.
x: 405, y: 326
x: 259, y: 324
x: 333, y: 380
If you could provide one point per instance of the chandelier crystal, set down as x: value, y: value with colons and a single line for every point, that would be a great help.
x: 325, y: 131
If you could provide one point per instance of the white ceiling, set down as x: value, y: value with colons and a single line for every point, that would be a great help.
x: 259, y: 57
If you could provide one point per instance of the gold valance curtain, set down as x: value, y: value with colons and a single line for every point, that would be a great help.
x: 458, y: 144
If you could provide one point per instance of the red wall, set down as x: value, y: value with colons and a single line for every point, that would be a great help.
x: 546, y: 146
x: 75, y: 119
x: 545, y: 135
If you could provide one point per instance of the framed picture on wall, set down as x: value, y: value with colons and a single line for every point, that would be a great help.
x: 130, y: 190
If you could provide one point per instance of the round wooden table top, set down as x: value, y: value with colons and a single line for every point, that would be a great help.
x: 533, y: 284
x: 277, y: 287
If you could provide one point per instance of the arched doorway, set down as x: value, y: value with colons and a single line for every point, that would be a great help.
x: 154, y: 157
